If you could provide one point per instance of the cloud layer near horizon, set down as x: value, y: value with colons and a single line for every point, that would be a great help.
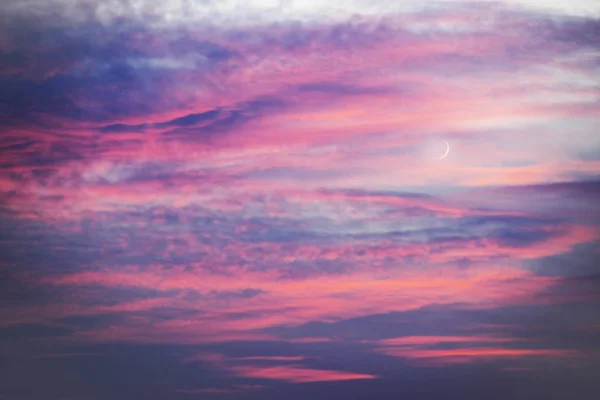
x: 258, y: 191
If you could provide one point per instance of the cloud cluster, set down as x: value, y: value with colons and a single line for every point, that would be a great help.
x: 233, y: 178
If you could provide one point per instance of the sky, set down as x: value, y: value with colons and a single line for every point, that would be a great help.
x: 295, y: 199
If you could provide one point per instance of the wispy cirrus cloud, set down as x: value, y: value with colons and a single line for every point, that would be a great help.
x: 293, y: 373
x: 469, y: 355
x: 447, y: 350
x: 257, y: 191
x: 297, y: 374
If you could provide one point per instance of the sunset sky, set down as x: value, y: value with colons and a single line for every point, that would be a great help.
x: 219, y: 199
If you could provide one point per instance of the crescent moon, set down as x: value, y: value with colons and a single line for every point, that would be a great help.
x: 447, y: 151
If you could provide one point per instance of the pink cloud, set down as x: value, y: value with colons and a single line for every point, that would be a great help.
x: 411, y: 106
x: 289, y: 372
x: 276, y: 184
x: 472, y: 354
x: 326, y: 164
x: 284, y: 302
x: 421, y: 349
x: 296, y: 374
x: 430, y: 340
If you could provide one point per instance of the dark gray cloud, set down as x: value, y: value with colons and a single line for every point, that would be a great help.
x: 582, y: 261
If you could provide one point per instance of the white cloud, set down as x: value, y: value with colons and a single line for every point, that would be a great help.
x: 256, y: 12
